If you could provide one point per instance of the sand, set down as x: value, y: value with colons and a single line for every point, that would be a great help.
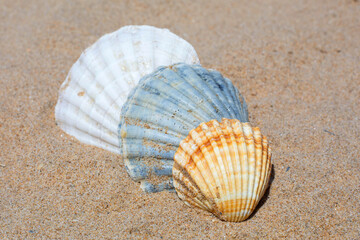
x: 296, y: 63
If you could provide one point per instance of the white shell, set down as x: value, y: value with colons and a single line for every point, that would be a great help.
x: 98, y: 84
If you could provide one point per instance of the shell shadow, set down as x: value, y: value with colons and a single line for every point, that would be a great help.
x: 266, y: 194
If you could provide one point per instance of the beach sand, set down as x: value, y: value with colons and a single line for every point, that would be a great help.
x: 295, y: 62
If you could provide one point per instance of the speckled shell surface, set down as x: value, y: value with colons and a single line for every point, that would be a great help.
x: 223, y: 168
x: 98, y: 84
x: 161, y: 111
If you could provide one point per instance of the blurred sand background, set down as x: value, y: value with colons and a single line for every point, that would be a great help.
x: 296, y: 63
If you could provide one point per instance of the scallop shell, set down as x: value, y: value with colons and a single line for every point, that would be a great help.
x: 161, y: 111
x: 98, y: 84
x: 223, y: 168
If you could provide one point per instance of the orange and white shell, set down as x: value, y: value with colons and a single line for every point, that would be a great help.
x: 223, y: 168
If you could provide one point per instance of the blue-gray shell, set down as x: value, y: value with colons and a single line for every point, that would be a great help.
x: 160, y: 112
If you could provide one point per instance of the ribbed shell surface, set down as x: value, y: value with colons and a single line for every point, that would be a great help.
x: 98, y: 84
x: 223, y: 168
x: 161, y: 111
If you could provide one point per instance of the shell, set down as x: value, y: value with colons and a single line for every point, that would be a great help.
x: 98, y: 84
x: 161, y: 111
x: 223, y: 168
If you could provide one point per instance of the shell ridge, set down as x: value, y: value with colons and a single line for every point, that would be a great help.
x: 143, y: 61
x: 143, y: 83
x: 83, y: 59
x: 187, y: 86
x: 231, y: 95
x: 199, y: 139
x: 203, y: 110
x: 96, y: 114
x: 132, y: 93
x: 236, y: 131
x: 249, y: 151
x: 81, y: 106
x: 217, y: 83
x: 244, y: 108
x: 267, y: 173
x: 189, y: 190
x: 192, y: 163
x: 235, y: 125
x: 264, y: 170
x: 213, y: 162
x: 159, y: 61
x: 171, y: 44
x: 190, y: 51
x: 215, y: 88
x: 130, y: 134
x: 203, y: 180
x: 232, y: 99
x: 169, y: 122
x: 257, y: 172
x: 88, y: 139
x: 248, y: 159
x: 139, y: 170
x: 244, y: 167
x: 241, y: 113
x: 106, y: 120
x: 219, y: 143
x: 155, y: 42
x: 84, y: 86
x: 134, y: 53
x: 82, y: 126
x: 263, y: 167
x: 136, y: 154
x: 176, y: 45
x: 192, y: 92
x: 217, y: 172
x: 149, y: 151
x: 252, y: 168
x: 194, y: 192
x: 205, y: 175
x: 258, y: 165
x: 207, y: 92
x: 205, y: 168
x: 189, y: 146
x: 185, y: 195
x: 177, y: 99
x: 228, y: 168
x: 232, y: 159
x: 236, y: 165
x: 114, y: 108
x: 241, y: 108
x: 189, y: 199
x: 84, y: 62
